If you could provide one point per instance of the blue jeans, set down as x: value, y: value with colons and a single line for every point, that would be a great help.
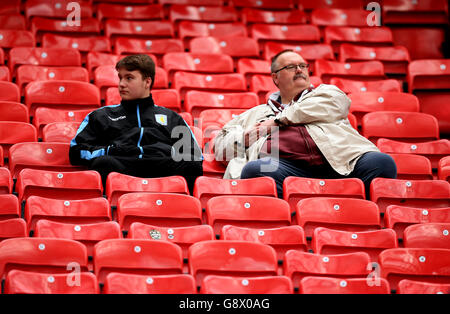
x: 370, y: 166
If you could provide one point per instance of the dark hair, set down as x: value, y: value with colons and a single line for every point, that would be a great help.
x: 141, y: 62
x: 274, y: 59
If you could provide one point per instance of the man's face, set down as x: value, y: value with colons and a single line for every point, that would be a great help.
x: 291, y: 82
x: 132, y: 85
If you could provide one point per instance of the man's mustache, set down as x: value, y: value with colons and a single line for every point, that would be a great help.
x: 296, y: 76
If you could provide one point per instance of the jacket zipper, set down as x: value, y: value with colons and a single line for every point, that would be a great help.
x: 142, y: 132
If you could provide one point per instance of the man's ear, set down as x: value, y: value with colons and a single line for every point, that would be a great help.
x: 275, y: 79
x: 148, y: 82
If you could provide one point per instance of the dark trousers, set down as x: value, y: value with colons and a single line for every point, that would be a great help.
x: 370, y: 166
x: 147, y: 168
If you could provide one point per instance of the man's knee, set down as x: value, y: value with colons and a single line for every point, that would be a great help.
x: 251, y: 170
x: 381, y: 164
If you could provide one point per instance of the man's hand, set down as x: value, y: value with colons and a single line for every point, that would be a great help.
x: 258, y: 130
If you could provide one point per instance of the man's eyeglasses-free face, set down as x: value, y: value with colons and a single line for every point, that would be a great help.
x: 293, y: 67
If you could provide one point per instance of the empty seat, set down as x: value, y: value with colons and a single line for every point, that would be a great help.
x: 429, y: 235
x: 84, y: 44
x: 428, y: 74
x: 236, y: 47
x: 214, y: 119
x: 299, y: 34
x: 298, y: 265
x: 355, y: 86
x: 16, y: 38
x: 247, y: 211
x: 12, y: 132
x: 406, y: 286
x: 444, y: 169
x: 228, y: 82
x: 433, y: 150
x: 157, y: 47
x: 262, y: 85
x: 145, y: 257
x: 12, y: 228
x: 180, y: 12
x: 42, y: 255
x: 426, y: 265
x: 13, y: 21
x: 59, y: 10
x: 189, y: 29
x: 44, y: 116
x: 412, y: 167
x: 59, y: 185
x: 206, y: 188
x: 69, y: 211
x: 347, y: 214
x: 129, y: 11
x: 266, y: 4
x: 365, y: 102
x: 96, y: 58
x: 328, y: 285
x: 4, y: 73
x: 168, y: 98
x: 395, y: 59
x: 400, y: 126
x: 9, y: 206
x: 212, y: 284
x: 13, y: 111
x: 254, y: 15
x: 181, y: 236
x: 26, y: 282
x: 329, y: 241
x: 281, y: 239
x: 9, y: 92
x: 297, y: 188
x: 29, y: 73
x: 362, y: 71
x: 44, y: 156
x: 231, y: 258
x: 399, y: 217
x: 412, y: 193
x: 11, y: 7
x: 340, y: 17
x: 309, y: 5
x: 197, y: 101
x: 365, y: 36
x: 138, y: 29
x: 61, y: 94
x: 60, y: 132
x: 118, y: 184
x: 410, y: 37
x: 117, y: 283
x: 160, y: 209
x: 420, y: 12
x: 167, y: 3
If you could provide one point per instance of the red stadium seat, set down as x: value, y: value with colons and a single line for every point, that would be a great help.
x: 281, y: 239
x: 89, y: 234
x: 4, y: 73
x: 309, y: 5
x: 118, y: 184
x: 426, y: 265
x: 444, y: 169
x: 206, y: 188
x: 288, y: 34
x: 365, y: 102
x: 364, y: 36
x: 254, y: 15
x: 420, y: 12
x: 12, y: 228
x: 75, y: 185
x: 29, y: 73
x: 13, y: 111
x: 168, y: 98
x: 231, y: 258
x: 55, y: 9
x: 168, y: 3
x: 181, y: 236
x: 138, y: 29
x: 11, y: 38
x: 9, y: 92
x: 160, y: 209
x: 328, y: 285
x: 347, y: 214
x: 188, y: 30
x: 428, y: 74
x: 400, y: 126
x: 6, y: 182
x: 95, y: 59
x: 61, y: 94
x: 248, y: 67
x: 9, y: 206
x: 265, y: 4
x: 412, y: 167
x: 26, y: 282
x: 236, y: 47
x: 69, y: 211
x: 395, y: 59
x: 229, y: 82
x: 243, y: 285
x: 340, y: 17
x: 10, y: 7
x: 362, y: 71
x: 132, y: 256
x: 117, y: 283
x: 84, y: 44
x: 429, y: 235
x: 130, y: 11
x: 180, y: 12
x: 214, y: 119
x: 60, y: 132
x: 354, y: 86
x: 406, y: 286
x: 247, y: 211
x: 297, y: 188
x: 15, y: 132
x: 413, y: 193
x: 44, y: 116
x: 298, y: 265
x: 42, y: 255
x: 329, y: 241
x: 262, y: 85
x: 399, y: 217
x: 48, y: 156
x: 197, y: 101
